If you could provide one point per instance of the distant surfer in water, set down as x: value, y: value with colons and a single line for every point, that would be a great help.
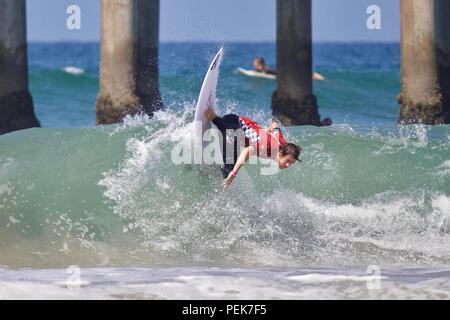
x: 260, y: 66
x: 265, y: 143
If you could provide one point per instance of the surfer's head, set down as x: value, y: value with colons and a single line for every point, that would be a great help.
x: 259, y: 64
x: 288, y: 154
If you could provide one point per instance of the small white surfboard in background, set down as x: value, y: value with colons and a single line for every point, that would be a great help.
x: 207, y: 98
x: 259, y: 74
x: 256, y: 74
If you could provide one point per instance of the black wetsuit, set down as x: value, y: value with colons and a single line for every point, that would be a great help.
x: 230, y: 121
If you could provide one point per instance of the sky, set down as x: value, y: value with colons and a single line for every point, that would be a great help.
x: 226, y: 20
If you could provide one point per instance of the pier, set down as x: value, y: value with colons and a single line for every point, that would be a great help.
x: 425, y: 56
x: 129, y: 71
x: 16, y: 103
x: 293, y: 102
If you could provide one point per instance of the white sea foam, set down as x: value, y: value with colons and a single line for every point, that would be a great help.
x: 224, y: 283
x: 7, y: 168
x: 73, y: 70
x: 443, y: 170
x: 321, y: 213
x: 178, y: 215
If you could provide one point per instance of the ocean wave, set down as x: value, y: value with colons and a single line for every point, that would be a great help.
x: 111, y: 196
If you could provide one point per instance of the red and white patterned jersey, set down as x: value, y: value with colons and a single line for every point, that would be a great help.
x: 264, y: 141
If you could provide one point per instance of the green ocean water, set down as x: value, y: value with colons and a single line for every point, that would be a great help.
x: 368, y: 192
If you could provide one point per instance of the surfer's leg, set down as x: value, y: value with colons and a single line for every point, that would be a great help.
x: 228, y: 167
x: 228, y: 122
x: 233, y: 121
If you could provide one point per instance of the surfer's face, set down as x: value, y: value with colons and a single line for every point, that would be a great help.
x: 258, y: 65
x: 285, y: 161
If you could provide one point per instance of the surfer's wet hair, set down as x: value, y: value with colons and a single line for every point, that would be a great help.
x: 291, y: 149
x: 261, y: 60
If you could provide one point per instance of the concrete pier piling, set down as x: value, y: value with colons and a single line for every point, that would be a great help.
x: 148, y: 37
x: 443, y: 7
x: 16, y: 103
x: 129, y: 60
x: 293, y: 101
x: 425, y: 62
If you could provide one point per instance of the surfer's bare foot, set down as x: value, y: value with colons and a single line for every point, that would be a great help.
x: 210, y: 114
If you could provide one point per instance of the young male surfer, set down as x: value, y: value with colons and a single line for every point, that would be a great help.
x: 265, y: 143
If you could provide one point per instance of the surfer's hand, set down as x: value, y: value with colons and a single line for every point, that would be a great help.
x: 226, y: 183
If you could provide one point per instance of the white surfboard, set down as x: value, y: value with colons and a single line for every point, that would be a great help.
x: 259, y: 74
x: 206, y: 99
x: 256, y: 74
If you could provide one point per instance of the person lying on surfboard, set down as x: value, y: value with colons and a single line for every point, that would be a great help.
x: 260, y: 66
x: 265, y: 143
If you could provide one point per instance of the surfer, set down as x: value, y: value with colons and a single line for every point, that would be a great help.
x: 260, y: 66
x: 265, y: 143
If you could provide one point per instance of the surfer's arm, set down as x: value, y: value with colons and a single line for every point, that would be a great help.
x: 279, y: 135
x: 271, y: 71
x: 276, y: 131
x: 273, y: 126
x: 242, y: 159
